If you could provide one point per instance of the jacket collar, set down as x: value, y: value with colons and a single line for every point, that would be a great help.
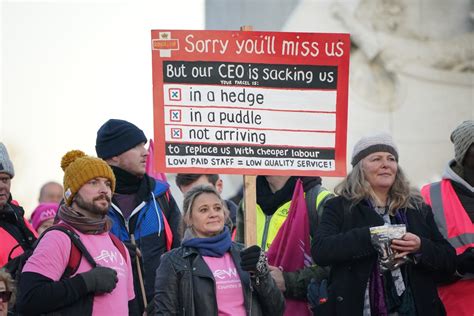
x: 451, y: 174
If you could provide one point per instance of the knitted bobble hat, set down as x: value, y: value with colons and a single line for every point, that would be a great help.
x: 42, y: 213
x: 371, y: 144
x: 6, y: 164
x: 79, y: 169
x: 462, y: 138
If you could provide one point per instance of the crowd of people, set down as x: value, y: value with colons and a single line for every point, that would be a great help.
x: 111, y: 240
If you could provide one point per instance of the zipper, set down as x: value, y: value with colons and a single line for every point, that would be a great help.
x: 127, y: 221
x: 268, y: 218
x: 251, y: 299
x: 157, y: 213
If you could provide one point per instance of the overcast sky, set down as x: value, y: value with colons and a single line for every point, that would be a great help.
x: 67, y: 67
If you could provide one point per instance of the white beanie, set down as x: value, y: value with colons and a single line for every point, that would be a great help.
x: 6, y: 164
x: 371, y: 144
x: 462, y: 138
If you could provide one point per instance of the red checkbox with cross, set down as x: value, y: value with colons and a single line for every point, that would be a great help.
x: 174, y: 94
x: 176, y: 133
x: 175, y: 115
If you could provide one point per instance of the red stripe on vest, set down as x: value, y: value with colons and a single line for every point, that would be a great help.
x: 458, y: 297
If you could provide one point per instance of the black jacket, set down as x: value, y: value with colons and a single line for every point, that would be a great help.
x: 343, y: 242
x: 147, y: 225
x: 184, y: 279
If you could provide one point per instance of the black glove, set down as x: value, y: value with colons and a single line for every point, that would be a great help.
x: 465, y: 261
x: 254, y: 261
x: 317, y: 292
x: 100, y: 280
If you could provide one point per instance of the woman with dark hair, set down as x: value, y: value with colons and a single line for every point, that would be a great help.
x: 209, y: 274
x: 373, y: 272
x: 7, y: 292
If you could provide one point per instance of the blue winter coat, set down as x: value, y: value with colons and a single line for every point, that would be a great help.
x: 147, y: 224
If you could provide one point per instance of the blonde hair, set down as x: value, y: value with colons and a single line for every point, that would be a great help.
x: 9, y: 284
x: 356, y: 188
x: 188, y: 202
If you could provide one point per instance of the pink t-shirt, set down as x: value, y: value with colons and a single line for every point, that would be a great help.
x: 51, y: 257
x: 230, y: 297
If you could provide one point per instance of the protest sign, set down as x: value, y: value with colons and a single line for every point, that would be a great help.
x: 237, y: 102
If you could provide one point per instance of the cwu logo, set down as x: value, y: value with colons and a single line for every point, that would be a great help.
x: 284, y: 212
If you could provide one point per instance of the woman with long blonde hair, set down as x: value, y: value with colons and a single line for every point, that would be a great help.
x: 373, y: 273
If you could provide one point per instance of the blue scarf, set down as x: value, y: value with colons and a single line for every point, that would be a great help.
x: 215, y: 246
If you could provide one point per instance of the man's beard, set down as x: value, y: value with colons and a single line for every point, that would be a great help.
x: 91, y: 206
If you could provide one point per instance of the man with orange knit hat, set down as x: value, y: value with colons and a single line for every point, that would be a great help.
x: 102, y: 283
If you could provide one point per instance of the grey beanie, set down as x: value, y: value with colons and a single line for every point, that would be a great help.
x: 462, y: 138
x: 371, y: 144
x: 6, y: 164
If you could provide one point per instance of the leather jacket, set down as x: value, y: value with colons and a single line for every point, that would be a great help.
x: 185, y: 286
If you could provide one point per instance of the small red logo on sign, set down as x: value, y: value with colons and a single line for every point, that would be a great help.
x: 165, y: 44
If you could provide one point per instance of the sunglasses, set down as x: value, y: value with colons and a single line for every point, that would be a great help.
x: 5, y: 296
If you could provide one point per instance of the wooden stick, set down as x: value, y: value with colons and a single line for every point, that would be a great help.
x: 139, y: 270
x: 250, y: 196
x: 250, y: 213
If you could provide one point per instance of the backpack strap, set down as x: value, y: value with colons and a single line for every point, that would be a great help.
x: 119, y: 245
x: 29, y: 236
x: 164, y: 202
x: 77, y: 250
x: 165, y: 209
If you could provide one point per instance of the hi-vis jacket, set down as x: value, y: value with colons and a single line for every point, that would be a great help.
x: 269, y: 225
x: 456, y: 226
x: 16, y: 234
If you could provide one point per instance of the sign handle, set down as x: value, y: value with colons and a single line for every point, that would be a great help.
x: 250, y: 196
x: 250, y: 213
x: 140, y: 276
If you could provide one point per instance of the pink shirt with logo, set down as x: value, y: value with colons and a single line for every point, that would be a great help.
x: 229, y: 293
x: 51, y: 257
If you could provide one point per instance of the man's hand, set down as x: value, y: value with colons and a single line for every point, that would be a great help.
x: 277, y: 275
x: 132, y: 250
x: 100, y: 279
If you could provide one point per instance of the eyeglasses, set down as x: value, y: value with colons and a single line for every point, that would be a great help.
x: 5, y: 296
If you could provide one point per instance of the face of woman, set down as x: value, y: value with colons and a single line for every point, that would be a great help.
x: 45, y: 225
x: 380, y: 169
x: 3, y: 305
x: 207, y: 215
